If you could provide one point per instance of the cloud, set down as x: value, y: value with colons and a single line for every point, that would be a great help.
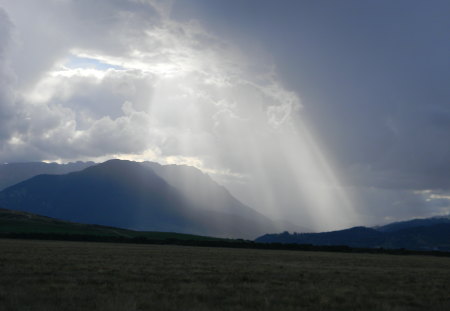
x: 186, y: 85
x: 7, y: 78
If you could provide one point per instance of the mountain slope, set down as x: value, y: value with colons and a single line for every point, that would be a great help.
x: 13, y: 173
x: 129, y: 195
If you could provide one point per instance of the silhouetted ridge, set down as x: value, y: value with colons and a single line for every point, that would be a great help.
x: 128, y: 174
x: 354, y: 237
x: 431, y: 237
x: 424, y: 222
x: 13, y: 173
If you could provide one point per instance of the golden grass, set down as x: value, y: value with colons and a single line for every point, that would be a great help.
x: 49, y: 275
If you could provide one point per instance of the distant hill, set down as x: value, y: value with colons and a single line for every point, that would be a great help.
x: 419, y: 222
x: 13, y: 173
x: 16, y: 222
x: 353, y: 237
x: 137, y: 196
x: 429, y: 237
x: 432, y: 237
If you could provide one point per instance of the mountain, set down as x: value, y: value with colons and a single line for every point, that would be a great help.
x: 353, y: 237
x: 17, y: 222
x: 13, y: 173
x: 132, y: 195
x: 432, y: 237
x: 429, y: 237
x: 419, y: 222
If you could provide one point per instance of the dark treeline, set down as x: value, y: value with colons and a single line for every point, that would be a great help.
x: 219, y: 243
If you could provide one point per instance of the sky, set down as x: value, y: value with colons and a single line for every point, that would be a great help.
x: 326, y: 113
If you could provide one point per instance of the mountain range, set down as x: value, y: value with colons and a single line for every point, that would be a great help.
x: 139, y: 196
x: 147, y: 196
x: 417, y: 234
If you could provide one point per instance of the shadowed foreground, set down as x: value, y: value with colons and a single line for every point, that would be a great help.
x: 48, y: 275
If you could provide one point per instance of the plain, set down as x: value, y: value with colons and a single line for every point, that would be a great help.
x: 59, y: 275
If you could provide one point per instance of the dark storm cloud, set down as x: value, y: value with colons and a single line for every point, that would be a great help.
x: 373, y: 76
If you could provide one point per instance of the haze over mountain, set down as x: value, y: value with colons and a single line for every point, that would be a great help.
x: 13, y: 173
x: 142, y: 196
x: 200, y: 190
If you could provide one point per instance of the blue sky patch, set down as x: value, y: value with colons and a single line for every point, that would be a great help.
x: 85, y: 63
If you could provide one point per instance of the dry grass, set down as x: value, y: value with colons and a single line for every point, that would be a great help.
x: 46, y: 275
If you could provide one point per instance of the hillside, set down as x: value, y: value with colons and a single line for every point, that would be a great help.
x: 16, y: 222
x: 131, y: 195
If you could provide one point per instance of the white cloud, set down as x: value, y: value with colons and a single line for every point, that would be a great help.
x: 7, y: 82
x: 182, y: 89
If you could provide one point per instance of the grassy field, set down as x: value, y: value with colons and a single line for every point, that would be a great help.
x: 50, y: 275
